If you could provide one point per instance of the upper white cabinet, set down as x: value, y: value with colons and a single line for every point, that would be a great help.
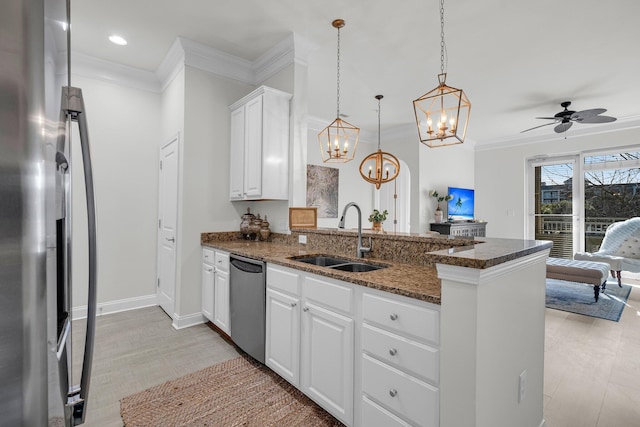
x: 259, y: 152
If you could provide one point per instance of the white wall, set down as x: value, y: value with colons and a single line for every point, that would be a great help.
x: 407, y: 147
x: 351, y: 186
x: 205, y: 175
x: 441, y: 168
x: 123, y: 132
x: 500, y: 176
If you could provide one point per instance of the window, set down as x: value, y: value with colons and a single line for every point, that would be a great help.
x: 573, y: 199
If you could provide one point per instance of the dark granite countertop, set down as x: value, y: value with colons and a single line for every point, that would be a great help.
x: 412, y: 279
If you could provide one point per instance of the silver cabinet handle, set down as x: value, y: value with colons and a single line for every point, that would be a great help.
x: 393, y: 352
x: 210, y: 270
x: 293, y: 304
x: 305, y: 309
x: 170, y: 239
x: 393, y: 392
x: 393, y: 316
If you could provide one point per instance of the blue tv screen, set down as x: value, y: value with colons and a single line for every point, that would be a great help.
x: 460, y: 208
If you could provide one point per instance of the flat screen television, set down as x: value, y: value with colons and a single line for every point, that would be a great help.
x: 460, y: 208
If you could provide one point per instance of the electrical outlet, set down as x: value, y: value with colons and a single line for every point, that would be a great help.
x: 282, y: 225
x: 302, y: 239
x: 522, y: 386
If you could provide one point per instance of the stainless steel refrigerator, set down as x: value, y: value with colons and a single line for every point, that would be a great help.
x: 37, y: 108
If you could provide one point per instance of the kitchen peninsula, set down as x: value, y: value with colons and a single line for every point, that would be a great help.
x: 487, y: 300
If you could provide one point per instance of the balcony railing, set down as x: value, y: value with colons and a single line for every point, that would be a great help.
x: 559, y: 230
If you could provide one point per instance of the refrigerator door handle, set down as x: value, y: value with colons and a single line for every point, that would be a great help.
x: 73, y: 106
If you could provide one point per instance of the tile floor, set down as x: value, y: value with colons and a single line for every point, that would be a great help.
x: 592, y: 366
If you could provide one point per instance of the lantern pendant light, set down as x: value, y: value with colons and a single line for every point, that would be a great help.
x: 379, y: 167
x: 442, y: 114
x: 338, y: 141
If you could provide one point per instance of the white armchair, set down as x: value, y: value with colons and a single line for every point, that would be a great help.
x: 620, y: 248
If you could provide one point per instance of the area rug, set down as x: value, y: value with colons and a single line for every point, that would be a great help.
x: 238, y: 392
x: 578, y: 298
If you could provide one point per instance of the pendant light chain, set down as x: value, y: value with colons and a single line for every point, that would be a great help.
x: 379, y: 98
x: 442, y: 36
x: 338, y: 82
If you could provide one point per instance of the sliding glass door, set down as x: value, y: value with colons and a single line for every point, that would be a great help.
x: 572, y: 200
x: 553, y: 203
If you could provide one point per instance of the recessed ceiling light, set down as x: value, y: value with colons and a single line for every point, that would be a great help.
x: 117, y: 40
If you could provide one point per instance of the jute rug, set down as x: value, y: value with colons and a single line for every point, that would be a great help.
x: 238, y: 392
x: 578, y: 298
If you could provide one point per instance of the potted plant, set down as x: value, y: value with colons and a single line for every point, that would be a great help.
x: 438, y: 213
x: 376, y: 218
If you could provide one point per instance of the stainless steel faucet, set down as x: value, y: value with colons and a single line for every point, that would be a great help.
x: 360, y: 250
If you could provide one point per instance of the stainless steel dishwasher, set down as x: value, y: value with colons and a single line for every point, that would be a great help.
x: 247, y: 304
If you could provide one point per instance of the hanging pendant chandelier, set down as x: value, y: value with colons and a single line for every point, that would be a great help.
x: 442, y: 114
x: 379, y: 167
x: 338, y: 141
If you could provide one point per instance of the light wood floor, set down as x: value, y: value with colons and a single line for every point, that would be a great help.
x: 592, y: 366
x: 138, y: 349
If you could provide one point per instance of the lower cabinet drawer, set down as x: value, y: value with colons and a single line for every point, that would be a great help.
x: 406, y: 319
x: 416, y: 400
x: 376, y: 416
x: 418, y: 359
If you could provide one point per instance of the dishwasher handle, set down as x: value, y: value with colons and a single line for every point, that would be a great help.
x: 246, y: 266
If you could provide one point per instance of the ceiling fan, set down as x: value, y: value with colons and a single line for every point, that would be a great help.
x: 565, y: 118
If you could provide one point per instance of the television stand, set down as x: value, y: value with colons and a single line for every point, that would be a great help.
x: 466, y: 229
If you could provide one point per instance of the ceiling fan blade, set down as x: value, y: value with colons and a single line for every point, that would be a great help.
x: 597, y: 119
x: 536, y: 127
x: 585, y: 114
x: 547, y: 118
x: 563, y: 127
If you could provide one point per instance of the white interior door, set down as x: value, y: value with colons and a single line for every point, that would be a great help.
x: 167, y: 224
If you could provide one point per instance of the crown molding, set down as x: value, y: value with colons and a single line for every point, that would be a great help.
x: 292, y: 49
x: 208, y: 59
x: 171, y: 65
x: 112, y: 72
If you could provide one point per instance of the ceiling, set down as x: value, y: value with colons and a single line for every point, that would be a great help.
x: 515, y: 60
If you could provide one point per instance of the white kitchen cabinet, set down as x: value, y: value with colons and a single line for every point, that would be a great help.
x: 282, y: 344
x: 221, y: 312
x: 310, y: 337
x: 207, y: 283
x: 327, y: 360
x: 400, y: 370
x: 259, y: 151
x: 215, y: 288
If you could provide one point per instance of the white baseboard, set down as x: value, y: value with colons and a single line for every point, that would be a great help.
x: 181, y: 322
x: 116, y: 306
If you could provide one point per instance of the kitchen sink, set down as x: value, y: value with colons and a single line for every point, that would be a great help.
x: 357, y: 267
x: 338, y: 263
x: 322, y: 261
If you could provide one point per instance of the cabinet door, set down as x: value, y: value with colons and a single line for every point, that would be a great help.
x: 236, y: 163
x: 327, y: 360
x: 207, y: 291
x: 282, y: 343
x: 221, y: 301
x: 253, y: 148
